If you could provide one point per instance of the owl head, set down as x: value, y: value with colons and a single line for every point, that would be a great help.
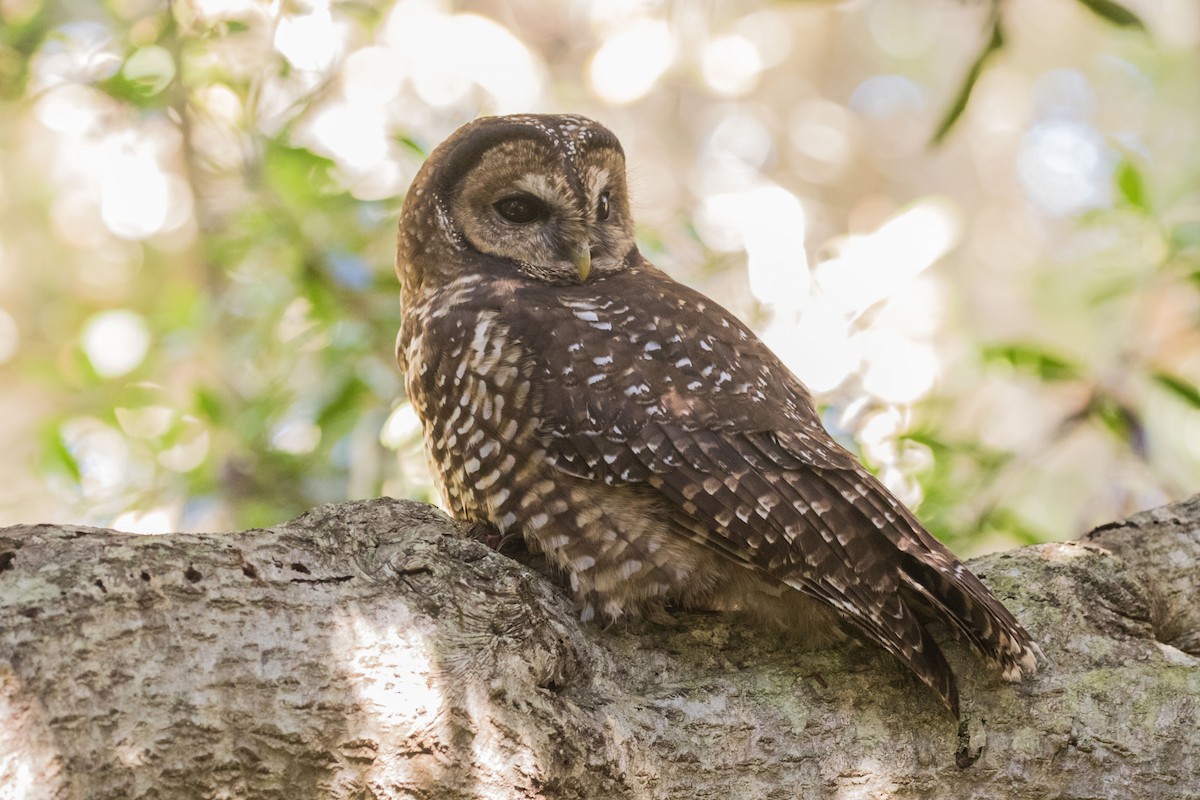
x: 538, y: 195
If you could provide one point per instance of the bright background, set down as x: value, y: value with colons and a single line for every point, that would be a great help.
x: 198, y: 203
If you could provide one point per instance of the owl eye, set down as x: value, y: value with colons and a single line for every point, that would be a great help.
x: 602, y: 207
x: 520, y: 209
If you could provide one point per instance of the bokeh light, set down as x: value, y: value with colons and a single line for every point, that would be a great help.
x: 309, y: 40
x: 1064, y: 167
x: 731, y: 65
x: 197, y: 304
x: 116, y: 342
x: 629, y: 62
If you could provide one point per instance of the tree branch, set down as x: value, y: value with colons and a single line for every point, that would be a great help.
x: 369, y: 650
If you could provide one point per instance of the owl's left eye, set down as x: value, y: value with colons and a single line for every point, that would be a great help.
x: 520, y: 209
x: 602, y: 207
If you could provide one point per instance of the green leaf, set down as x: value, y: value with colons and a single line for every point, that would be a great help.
x: 209, y: 405
x: 1186, y: 235
x: 1031, y: 358
x: 137, y: 94
x: 298, y: 176
x: 1131, y: 186
x: 1184, y: 390
x: 344, y: 403
x: 1116, y: 288
x: 1115, y: 13
x: 994, y: 43
x: 57, y: 455
x: 151, y: 69
x: 14, y: 69
x: 412, y: 145
x: 1121, y: 420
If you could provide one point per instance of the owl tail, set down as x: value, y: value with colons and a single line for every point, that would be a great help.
x: 933, y: 580
x: 961, y: 600
x: 908, y: 640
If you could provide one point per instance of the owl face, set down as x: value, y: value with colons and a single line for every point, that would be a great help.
x: 546, y: 194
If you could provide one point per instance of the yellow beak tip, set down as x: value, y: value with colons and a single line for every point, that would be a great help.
x: 583, y: 263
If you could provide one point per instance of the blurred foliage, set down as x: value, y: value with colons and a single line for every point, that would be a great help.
x: 254, y: 377
x: 1108, y: 10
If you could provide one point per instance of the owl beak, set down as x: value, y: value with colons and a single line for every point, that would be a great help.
x: 583, y: 260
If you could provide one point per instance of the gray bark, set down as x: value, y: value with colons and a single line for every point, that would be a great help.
x: 370, y: 650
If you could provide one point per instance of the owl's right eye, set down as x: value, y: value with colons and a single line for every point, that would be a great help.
x: 520, y: 209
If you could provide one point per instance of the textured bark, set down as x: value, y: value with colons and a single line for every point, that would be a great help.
x: 369, y: 650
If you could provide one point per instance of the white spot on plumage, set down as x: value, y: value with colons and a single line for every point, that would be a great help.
x: 630, y: 568
x: 520, y: 392
x: 589, y: 516
x: 555, y: 542
x: 766, y: 503
x: 479, y: 342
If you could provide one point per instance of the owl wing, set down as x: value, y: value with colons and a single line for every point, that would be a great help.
x: 681, y: 396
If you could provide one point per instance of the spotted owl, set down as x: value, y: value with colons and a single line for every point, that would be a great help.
x: 633, y: 430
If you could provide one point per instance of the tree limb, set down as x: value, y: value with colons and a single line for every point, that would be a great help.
x: 369, y: 650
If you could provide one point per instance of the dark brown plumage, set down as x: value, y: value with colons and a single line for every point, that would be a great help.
x: 632, y: 429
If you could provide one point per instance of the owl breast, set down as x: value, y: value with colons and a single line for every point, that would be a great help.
x: 469, y: 384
